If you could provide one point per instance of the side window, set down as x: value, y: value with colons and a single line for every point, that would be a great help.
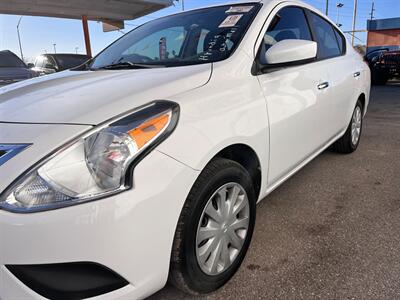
x: 47, y: 63
x: 52, y: 62
x: 289, y: 23
x: 326, y: 38
x: 341, y: 41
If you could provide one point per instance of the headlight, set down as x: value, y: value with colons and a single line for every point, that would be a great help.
x: 95, y: 165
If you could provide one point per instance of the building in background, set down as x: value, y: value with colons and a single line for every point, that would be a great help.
x: 383, y: 33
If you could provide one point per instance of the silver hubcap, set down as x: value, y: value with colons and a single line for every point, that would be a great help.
x: 356, y: 125
x: 222, y: 229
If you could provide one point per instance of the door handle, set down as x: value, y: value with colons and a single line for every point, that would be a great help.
x: 356, y: 74
x: 323, y: 86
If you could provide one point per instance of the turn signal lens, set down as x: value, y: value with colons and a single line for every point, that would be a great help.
x: 149, y: 130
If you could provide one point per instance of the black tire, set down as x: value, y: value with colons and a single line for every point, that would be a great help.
x: 345, y: 144
x: 185, y: 272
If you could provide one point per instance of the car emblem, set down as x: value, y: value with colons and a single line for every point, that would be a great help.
x: 8, y: 151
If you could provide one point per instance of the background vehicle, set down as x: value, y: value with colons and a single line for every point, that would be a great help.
x: 384, y: 64
x: 147, y: 163
x: 51, y: 63
x: 13, y: 69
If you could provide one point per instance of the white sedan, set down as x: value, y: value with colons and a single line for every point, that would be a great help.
x: 147, y: 162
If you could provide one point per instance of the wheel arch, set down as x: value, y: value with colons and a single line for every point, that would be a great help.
x: 362, y: 99
x: 247, y: 157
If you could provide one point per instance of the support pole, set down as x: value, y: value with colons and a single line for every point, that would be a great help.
x: 354, y: 22
x: 87, y: 36
x: 372, y: 10
x: 19, y: 39
x: 327, y: 7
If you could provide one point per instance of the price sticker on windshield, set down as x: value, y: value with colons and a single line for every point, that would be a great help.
x: 230, y: 21
x: 239, y: 9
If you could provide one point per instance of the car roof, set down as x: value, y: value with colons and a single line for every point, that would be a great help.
x: 8, y: 51
x: 13, y: 54
x: 236, y: 2
x: 231, y: 2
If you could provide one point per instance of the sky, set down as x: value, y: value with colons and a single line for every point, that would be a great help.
x: 38, y: 34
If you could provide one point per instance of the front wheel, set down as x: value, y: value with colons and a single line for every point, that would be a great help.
x: 349, y: 142
x: 214, y: 229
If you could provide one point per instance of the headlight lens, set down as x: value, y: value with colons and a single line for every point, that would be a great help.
x: 95, y: 165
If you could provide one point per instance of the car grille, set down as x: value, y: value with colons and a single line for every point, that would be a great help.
x: 392, y: 59
x: 8, y: 151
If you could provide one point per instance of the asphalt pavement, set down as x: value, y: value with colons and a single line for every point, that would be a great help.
x: 332, y: 231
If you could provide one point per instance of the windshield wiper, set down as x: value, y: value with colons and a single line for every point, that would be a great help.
x: 128, y: 65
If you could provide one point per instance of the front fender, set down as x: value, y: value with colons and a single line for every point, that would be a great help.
x: 230, y: 109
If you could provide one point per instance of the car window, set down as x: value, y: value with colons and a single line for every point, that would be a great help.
x: 161, y: 45
x: 9, y: 60
x: 70, y: 61
x: 194, y: 37
x: 325, y: 37
x: 47, y: 63
x: 202, y: 39
x: 288, y: 23
x: 341, y: 41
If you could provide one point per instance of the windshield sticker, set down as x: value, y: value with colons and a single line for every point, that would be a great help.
x: 230, y: 21
x: 239, y: 9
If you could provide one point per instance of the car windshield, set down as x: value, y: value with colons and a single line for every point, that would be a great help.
x: 9, y: 60
x: 70, y: 61
x: 194, y: 37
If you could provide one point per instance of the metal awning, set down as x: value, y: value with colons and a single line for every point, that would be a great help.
x: 96, y: 10
x: 93, y: 9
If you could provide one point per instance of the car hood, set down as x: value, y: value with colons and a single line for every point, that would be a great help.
x: 92, y: 97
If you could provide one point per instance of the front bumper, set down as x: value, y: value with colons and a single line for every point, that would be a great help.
x: 130, y: 233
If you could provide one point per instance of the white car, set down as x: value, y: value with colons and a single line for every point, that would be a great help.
x: 147, y: 162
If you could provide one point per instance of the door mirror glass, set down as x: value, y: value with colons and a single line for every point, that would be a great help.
x: 290, y: 52
x: 30, y: 65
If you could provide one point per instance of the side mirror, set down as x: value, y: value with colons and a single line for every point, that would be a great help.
x: 30, y: 65
x: 291, y: 52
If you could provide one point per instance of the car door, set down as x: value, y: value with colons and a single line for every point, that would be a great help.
x: 296, y: 98
x: 344, y: 71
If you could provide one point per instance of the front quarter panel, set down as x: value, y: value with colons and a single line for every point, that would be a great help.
x: 229, y: 110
